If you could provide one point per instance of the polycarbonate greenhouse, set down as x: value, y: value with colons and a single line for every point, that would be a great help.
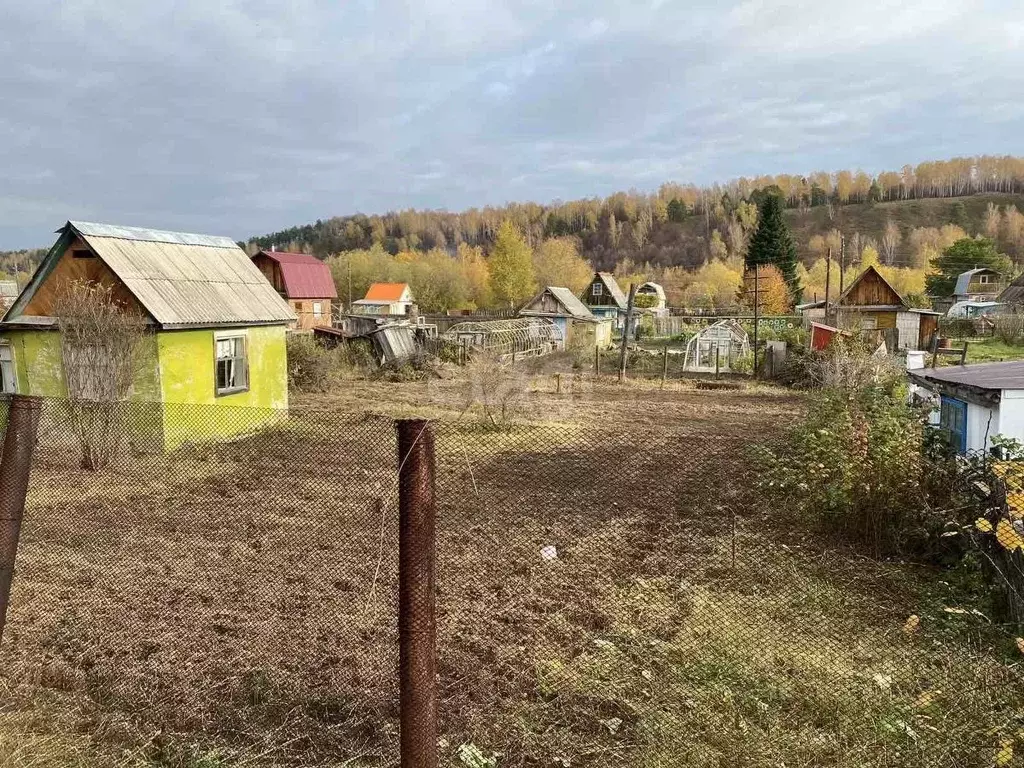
x: 717, y: 347
x: 521, y: 336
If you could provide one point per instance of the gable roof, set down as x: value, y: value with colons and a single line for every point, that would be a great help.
x: 963, y: 280
x: 608, y: 280
x: 182, y: 280
x: 870, y: 271
x: 1014, y: 292
x: 1005, y: 375
x: 570, y: 303
x: 304, y: 276
x: 385, y: 292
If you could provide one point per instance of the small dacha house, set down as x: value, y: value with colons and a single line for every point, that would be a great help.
x: 385, y: 299
x: 605, y: 299
x: 577, y: 324
x: 981, y: 284
x: 871, y: 305
x: 214, y: 327
x: 304, y: 282
x: 973, y: 403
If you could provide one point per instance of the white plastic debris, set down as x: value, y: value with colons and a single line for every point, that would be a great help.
x: 550, y: 552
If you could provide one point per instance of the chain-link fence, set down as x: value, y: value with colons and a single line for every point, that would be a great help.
x: 198, y: 586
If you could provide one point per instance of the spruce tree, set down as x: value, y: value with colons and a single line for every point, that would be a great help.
x: 772, y: 244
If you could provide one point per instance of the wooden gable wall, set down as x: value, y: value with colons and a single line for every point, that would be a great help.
x: 871, y: 290
x: 546, y: 303
x: 78, y: 262
x: 604, y: 300
x: 271, y: 270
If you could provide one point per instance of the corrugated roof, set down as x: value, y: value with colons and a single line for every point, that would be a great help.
x: 572, y: 305
x: 1007, y: 375
x: 963, y: 280
x: 182, y: 280
x: 150, y: 235
x: 613, y: 288
x: 305, y: 276
x: 385, y: 292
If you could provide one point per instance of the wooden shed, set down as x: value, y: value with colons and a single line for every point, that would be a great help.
x: 872, y: 304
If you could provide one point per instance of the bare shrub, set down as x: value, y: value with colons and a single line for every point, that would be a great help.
x: 101, y: 342
x: 496, y: 391
x: 1008, y: 328
x: 314, y: 367
x: 849, y: 364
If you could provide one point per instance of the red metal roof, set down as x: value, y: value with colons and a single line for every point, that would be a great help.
x: 305, y: 276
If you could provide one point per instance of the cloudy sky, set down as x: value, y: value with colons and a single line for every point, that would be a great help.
x: 240, y: 117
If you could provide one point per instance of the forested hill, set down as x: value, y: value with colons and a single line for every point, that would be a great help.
x: 684, y: 225
x: 668, y: 242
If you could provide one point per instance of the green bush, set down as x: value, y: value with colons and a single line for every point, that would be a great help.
x: 854, y: 466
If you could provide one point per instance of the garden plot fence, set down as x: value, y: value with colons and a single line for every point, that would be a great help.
x: 603, y: 598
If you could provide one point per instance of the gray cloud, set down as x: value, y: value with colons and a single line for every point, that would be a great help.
x: 240, y: 118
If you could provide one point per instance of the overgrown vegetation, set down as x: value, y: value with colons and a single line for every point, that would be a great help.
x: 853, y: 465
x: 314, y: 367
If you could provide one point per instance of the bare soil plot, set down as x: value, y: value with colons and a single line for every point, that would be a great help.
x: 233, y: 604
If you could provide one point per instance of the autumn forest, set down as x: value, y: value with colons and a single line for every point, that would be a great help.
x: 692, y: 239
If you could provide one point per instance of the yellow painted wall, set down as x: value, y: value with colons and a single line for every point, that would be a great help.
x: 177, y: 376
x: 40, y: 366
x: 192, y: 409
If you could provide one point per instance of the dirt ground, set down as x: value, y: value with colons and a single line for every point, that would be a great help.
x: 234, y: 604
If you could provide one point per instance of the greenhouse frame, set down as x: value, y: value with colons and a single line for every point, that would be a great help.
x: 515, y: 337
x: 716, y: 348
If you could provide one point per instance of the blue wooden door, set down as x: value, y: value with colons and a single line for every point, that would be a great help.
x: 953, y: 421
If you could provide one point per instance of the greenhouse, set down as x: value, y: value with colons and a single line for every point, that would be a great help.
x: 717, y: 348
x: 519, y: 337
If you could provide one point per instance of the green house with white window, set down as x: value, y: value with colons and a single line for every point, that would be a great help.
x: 213, y: 362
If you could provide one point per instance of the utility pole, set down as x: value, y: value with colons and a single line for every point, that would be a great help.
x: 842, y: 260
x: 349, y: 263
x: 828, y: 280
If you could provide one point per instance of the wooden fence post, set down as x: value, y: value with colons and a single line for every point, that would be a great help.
x: 625, y: 332
x: 664, y: 365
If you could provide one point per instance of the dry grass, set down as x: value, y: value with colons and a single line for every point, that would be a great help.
x: 233, y: 604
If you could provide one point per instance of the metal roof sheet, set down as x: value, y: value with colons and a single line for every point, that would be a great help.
x: 150, y: 235
x: 182, y: 282
x: 1007, y: 375
x: 386, y: 292
x: 305, y: 276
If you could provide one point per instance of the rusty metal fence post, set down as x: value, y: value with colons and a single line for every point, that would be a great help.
x: 417, y: 625
x: 19, y: 441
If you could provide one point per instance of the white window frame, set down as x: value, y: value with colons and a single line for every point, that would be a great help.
x: 318, y: 309
x: 984, y: 279
x: 8, y: 370
x: 597, y: 289
x: 234, y: 336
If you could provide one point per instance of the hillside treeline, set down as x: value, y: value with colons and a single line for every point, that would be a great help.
x: 684, y: 224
